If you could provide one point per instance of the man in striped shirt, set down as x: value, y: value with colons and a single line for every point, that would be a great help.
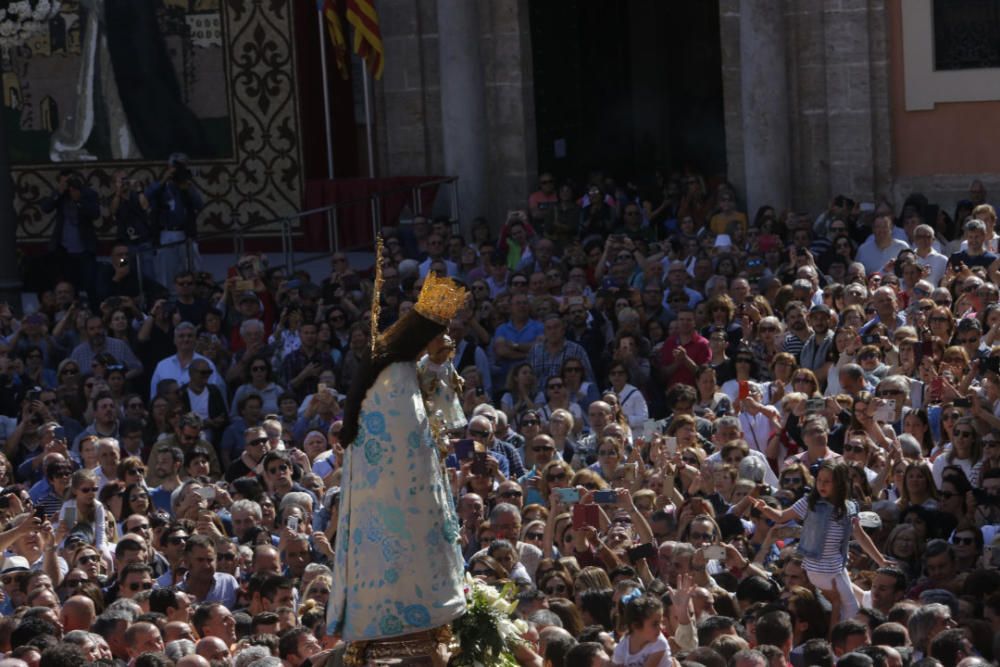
x: 798, y: 328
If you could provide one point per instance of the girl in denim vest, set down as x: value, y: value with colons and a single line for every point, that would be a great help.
x: 829, y: 522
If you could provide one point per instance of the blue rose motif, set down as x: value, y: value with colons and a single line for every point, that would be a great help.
x: 414, y: 440
x: 417, y: 615
x: 433, y: 538
x: 391, y: 550
x: 391, y: 625
x: 391, y: 575
x: 373, y: 452
x: 375, y: 423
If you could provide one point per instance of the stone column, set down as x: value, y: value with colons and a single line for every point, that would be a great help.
x: 463, y: 105
x: 764, y: 100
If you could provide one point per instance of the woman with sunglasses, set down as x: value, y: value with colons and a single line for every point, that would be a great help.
x: 556, y: 398
x: 632, y: 404
x: 578, y: 389
x: 555, y: 475
x: 83, y: 508
x: 135, y: 498
x: 561, y: 428
x: 965, y: 452
x: 259, y: 380
x: 488, y: 570
x: 87, y: 558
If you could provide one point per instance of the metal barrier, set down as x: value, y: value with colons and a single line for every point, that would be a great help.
x: 287, y: 227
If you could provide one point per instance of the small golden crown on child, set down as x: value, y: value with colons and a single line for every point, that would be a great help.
x: 440, y: 299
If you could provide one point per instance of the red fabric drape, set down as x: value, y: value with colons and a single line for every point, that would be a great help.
x: 354, y: 220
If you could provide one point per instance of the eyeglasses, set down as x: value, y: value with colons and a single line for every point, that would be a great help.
x: 868, y: 355
x: 482, y: 573
x: 88, y: 489
x: 556, y: 589
x: 962, y: 434
x: 7, y: 581
x: 136, y: 471
x: 511, y: 494
x: 61, y: 473
x: 969, y: 541
x: 258, y: 368
x: 951, y: 416
x: 87, y: 560
x: 543, y: 448
x: 177, y: 539
x: 257, y: 442
x: 69, y: 371
x: 140, y: 585
x: 555, y: 477
x: 690, y: 460
x: 526, y: 422
x: 860, y: 449
x: 534, y: 536
x: 280, y: 468
x: 890, y: 392
x: 555, y: 385
x: 791, y: 481
x: 478, y: 433
x: 73, y: 583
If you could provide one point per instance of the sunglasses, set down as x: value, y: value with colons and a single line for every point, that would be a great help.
x: 73, y: 583
x: 511, y: 494
x: 859, y: 449
x: 543, y: 449
x: 962, y: 434
x: 479, y: 433
x: 87, y: 560
x: 556, y: 477
x: 969, y: 541
x: 528, y: 422
x: 89, y: 489
x: 140, y: 586
x: 177, y: 539
x: 226, y: 557
x: 559, y: 589
x: 483, y: 573
x: 283, y: 467
x: 534, y: 536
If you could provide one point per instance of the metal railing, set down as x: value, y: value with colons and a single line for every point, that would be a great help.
x: 288, y: 229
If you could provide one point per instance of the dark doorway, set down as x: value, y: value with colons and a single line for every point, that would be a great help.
x: 627, y: 87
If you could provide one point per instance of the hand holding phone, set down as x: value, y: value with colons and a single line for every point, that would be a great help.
x: 714, y: 552
x: 568, y: 496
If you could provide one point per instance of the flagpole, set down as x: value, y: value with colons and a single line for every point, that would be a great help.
x: 368, y: 119
x: 326, y: 97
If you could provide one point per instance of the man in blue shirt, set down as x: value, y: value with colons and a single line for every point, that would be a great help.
x: 175, y: 202
x: 513, y: 339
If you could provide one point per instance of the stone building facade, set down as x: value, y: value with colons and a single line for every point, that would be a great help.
x: 820, y: 97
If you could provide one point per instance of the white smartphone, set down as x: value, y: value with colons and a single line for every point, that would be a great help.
x: 292, y: 523
x: 207, y: 492
x: 887, y: 411
x: 715, y: 552
x: 670, y: 444
x: 649, y: 429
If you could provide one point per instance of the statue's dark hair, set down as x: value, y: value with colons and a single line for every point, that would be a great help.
x: 403, y: 341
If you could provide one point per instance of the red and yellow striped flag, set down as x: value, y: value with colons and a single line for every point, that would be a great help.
x: 367, y: 37
x: 336, y: 29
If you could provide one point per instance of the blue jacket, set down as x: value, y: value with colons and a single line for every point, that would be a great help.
x: 815, y: 526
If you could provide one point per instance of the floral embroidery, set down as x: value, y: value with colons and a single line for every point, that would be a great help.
x: 391, y: 625
x: 417, y: 615
x: 375, y: 423
x: 373, y: 452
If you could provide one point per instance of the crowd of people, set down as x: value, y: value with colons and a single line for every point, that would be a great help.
x: 710, y: 439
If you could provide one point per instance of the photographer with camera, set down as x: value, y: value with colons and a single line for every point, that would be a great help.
x: 74, y: 237
x: 176, y: 202
x: 131, y: 211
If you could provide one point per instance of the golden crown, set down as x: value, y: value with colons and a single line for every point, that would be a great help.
x: 440, y: 299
